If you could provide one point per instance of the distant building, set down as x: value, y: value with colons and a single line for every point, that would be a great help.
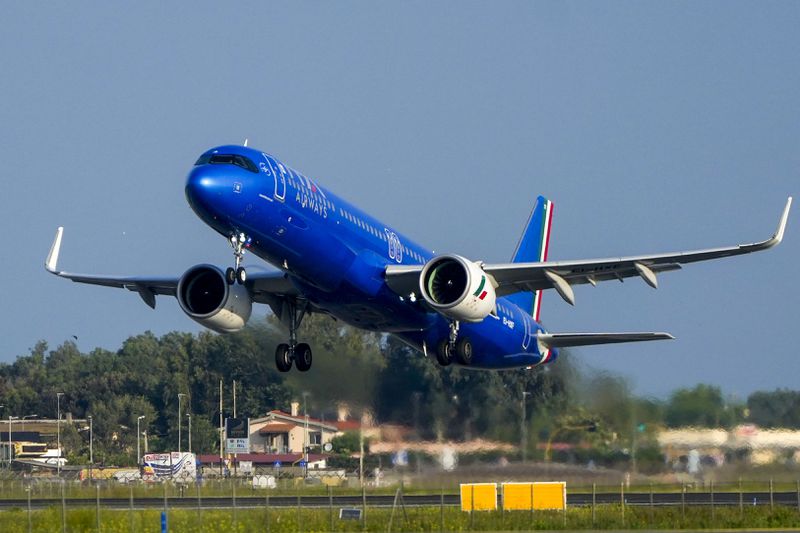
x: 287, y: 433
x: 746, y: 442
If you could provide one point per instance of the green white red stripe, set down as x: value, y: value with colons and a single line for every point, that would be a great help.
x: 480, y: 293
x: 544, y: 247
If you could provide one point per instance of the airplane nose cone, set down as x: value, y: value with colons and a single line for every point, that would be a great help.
x: 202, y: 188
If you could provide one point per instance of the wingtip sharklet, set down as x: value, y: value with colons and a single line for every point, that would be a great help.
x: 51, y: 264
x: 778, y: 237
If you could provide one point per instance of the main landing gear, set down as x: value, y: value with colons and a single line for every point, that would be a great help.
x: 239, y: 242
x: 299, y: 353
x: 453, y: 347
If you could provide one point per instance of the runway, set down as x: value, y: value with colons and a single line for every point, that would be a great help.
x: 789, y: 498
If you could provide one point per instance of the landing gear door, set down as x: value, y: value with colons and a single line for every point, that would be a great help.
x: 279, y: 174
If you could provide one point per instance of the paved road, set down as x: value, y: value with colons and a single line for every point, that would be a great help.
x: 574, y: 499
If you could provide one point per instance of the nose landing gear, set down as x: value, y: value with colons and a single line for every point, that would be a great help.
x: 239, y: 242
x: 299, y: 353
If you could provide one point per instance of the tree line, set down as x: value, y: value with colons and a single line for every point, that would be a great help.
x: 365, y: 371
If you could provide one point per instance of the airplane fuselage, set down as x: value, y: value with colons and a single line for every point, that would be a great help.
x: 336, y: 255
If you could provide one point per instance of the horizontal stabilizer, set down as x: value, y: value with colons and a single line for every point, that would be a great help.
x: 566, y: 340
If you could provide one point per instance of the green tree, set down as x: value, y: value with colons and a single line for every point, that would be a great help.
x: 779, y: 408
x: 702, y: 406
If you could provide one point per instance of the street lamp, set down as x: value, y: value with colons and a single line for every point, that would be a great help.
x: 58, y: 425
x: 24, y: 418
x: 180, y: 397
x: 10, y: 418
x: 138, y: 446
x: 305, y: 431
x: 189, y: 417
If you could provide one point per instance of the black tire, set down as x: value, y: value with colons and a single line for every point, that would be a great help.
x: 464, y: 352
x: 444, y: 355
x: 241, y: 275
x: 283, y: 358
x: 230, y: 275
x: 302, y: 357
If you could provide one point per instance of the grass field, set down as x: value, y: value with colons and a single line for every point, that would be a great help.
x: 414, y: 519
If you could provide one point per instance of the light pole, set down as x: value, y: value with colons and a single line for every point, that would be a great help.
x: 58, y: 430
x: 138, y: 446
x: 523, y: 443
x: 24, y: 418
x: 10, y: 418
x: 305, y: 433
x: 91, y: 451
x: 180, y: 397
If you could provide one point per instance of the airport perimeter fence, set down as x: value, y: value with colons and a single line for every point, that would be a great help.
x: 221, y: 505
x: 15, y: 485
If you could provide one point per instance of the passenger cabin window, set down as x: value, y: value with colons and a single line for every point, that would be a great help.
x: 228, y: 159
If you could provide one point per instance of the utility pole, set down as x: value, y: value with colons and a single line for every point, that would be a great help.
x: 138, y: 445
x: 523, y: 443
x: 189, y: 417
x: 305, y: 434
x: 235, y: 462
x: 361, y: 451
x: 180, y: 418
x: 58, y: 430
x: 221, y: 432
x: 91, y: 454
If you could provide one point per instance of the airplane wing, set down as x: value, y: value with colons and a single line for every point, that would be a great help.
x: 561, y: 275
x: 263, y: 286
x: 566, y: 340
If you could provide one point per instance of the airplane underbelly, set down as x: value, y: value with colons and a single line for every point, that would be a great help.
x: 378, y: 312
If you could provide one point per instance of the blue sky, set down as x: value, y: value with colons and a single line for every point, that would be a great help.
x: 652, y: 126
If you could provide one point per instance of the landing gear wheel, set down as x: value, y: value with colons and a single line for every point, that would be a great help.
x: 241, y: 275
x: 302, y: 357
x: 230, y: 275
x: 464, y: 352
x: 444, y: 354
x: 283, y: 358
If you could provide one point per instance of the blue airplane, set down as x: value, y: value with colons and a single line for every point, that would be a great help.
x: 334, y: 259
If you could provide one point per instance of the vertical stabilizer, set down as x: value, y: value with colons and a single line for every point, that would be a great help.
x: 532, y: 248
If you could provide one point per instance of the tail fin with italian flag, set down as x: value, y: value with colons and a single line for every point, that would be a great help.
x: 532, y: 248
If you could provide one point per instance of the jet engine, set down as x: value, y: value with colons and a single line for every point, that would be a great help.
x: 457, y: 288
x: 208, y: 299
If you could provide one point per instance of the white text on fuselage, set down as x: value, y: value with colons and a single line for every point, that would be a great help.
x: 395, y: 246
x: 312, y: 203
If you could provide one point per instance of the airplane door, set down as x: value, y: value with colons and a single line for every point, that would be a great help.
x: 279, y: 175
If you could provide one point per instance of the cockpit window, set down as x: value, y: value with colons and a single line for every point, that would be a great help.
x: 227, y: 159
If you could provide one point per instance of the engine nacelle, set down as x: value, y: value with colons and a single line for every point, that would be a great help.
x: 204, y: 295
x: 457, y: 288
